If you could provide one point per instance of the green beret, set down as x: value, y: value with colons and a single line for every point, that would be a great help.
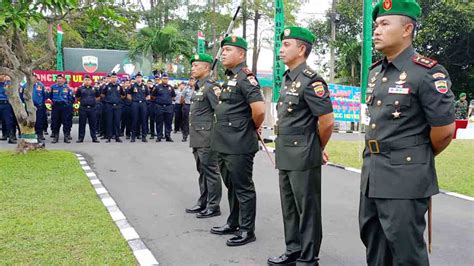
x: 299, y: 33
x: 409, y: 8
x: 234, y: 41
x: 462, y: 94
x: 202, y: 58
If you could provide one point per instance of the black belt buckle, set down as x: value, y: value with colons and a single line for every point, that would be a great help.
x: 374, y: 146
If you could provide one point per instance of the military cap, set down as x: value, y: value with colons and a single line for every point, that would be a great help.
x: 235, y: 41
x: 164, y: 75
x: 59, y: 76
x: 139, y: 74
x: 87, y: 77
x: 157, y: 76
x: 201, y: 58
x: 408, y: 8
x: 113, y: 74
x: 299, y: 33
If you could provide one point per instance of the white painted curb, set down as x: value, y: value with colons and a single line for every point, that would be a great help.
x: 139, y: 249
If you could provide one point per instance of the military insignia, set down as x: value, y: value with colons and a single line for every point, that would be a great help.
x: 424, y: 61
x: 308, y: 72
x: 217, y: 91
x: 252, y: 80
x: 135, y: 90
x: 368, y: 98
x: 196, y: 57
x: 441, y: 86
x: 396, y: 114
x: 387, y: 4
x: 289, y: 109
x: 439, y: 75
x: 232, y: 83
x: 371, y: 85
x: 373, y: 79
x: 317, y: 83
x: 287, y: 32
x: 403, y: 76
x: 397, y: 90
x: 298, y: 85
x: 233, y: 38
x: 319, y: 91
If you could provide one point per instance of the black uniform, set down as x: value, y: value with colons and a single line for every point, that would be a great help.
x: 235, y: 139
x: 113, y: 95
x: 163, y: 95
x: 87, y: 110
x: 203, y: 103
x: 139, y: 93
x: 304, y: 97
x: 405, y: 98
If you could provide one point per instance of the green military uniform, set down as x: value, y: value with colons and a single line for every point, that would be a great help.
x: 405, y: 98
x: 461, y: 107
x: 304, y: 96
x: 203, y: 102
x: 235, y: 139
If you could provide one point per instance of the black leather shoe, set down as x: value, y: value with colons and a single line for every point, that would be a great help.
x: 45, y: 133
x: 208, y: 213
x: 103, y: 137
x: 195, y: 209
x: 284, y: 259
x: 118, y: 140
x: 184, y: 139
x: 3, y: 138
x: 224, y: 230
x: 95, y: 141
x: 55, y: 140
x: 169, y: 140
x: 132, y: 140
x: 11, y: 141
x: 79, y: 141
x: 144, y: 139
x: 158, y: 140
x: 127, y: 137
x: 66, y: 140
x: 152, y: 137
x: 107, y: 141
x: 69, y: 137
x: 41, y: 137
x: 242, y: 238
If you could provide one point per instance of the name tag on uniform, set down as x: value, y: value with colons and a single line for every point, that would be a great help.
x: 292, y: 93
x: 232, y: 83
x: 395, y: 90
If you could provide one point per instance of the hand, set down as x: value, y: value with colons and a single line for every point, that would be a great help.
x: 325, y: 157
x: 259, y: 131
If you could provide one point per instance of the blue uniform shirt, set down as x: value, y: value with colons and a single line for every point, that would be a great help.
x: 113, y: 93
x: 61, y: 93
x: 39, y: 94
x: 164, y: 94
x: 87, y: 95
x: 3, y: 93
x: 139, y: 92
x: 187, y: 93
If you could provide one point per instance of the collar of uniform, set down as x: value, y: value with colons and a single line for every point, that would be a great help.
x: 400, y: 60
x: 294, y: 73
x: 236, y: 69
x: 202, y: 81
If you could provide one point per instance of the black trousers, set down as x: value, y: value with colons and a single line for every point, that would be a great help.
x: 126, y: 120
x: 178, y: 116
x: 185, y: 121
x: 210, y: 186
x: 59, y: 116
x: 139, y: 114
x: 236, y: 171
x: 164, y: 116
x: 87, y: 114
x: 300, y: 194
x: 113, y: 115
x: 40, y: 125
x: 152, y: 118
x: 392, y: 230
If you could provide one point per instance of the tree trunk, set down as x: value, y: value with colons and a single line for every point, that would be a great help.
x: 255, y: 41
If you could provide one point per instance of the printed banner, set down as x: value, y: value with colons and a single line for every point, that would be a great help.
x: 345, y: 102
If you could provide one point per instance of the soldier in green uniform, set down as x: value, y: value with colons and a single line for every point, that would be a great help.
x: 461, y: 106
x: 305, y: 122
x: 203, y: 102
x: 411, y: 112
x: 237, y: 117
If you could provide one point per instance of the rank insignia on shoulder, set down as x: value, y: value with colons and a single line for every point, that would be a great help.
x: 319, y: 90
x: 252, y: 80
x: 424, y: 61
x: 441, y: 86
x: 248, y: 71
x: 439, y: 75
x: 309, y: 72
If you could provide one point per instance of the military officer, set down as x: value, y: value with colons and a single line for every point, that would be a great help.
x: 150, y: 122
x: 411, y: 121
x: 305, y: 123
x: 186, y: 95
x: 152, y: 107
x: 203, y: 102
x: 163, y: 95
x: 61, y: 95
x: 138, y: 94
x: 112, y: 94
x: 6, y: 111
x: 39, y: 97
x: 237, y: 117
x: 88, y: 96
x: 126, y: 117
x: 103, y: 122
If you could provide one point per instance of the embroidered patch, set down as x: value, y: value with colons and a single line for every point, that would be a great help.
x: 317, y: 83
x: 441, y: 86
x: 398, y: 90
x: 319, y: 91
x: 387, y: 4
x: 253, y: 81
x: 439, y: 75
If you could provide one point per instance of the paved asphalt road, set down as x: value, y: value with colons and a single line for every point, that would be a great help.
x: 153, y: 183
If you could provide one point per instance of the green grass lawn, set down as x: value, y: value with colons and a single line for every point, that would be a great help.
x: 51, y: 215
x: 455, y: 165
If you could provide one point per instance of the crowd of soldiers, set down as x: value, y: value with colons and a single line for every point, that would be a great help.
x: 113, y: 108
x: 411, y: 113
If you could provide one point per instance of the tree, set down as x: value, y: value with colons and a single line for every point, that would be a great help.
x: 15, y: 16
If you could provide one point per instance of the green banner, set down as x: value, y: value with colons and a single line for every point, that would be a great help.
x: 201, y: 43
x: 278, y: 66
x: 366, y: 47
x: 59, y: 46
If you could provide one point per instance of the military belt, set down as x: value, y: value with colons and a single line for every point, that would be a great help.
x: 3, y: 101
x: 221, y: 118
x: 279, y: 130
x: 376, y: 146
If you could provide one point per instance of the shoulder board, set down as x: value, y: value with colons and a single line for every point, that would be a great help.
x: 375, y: 64
x: 309, y: 72
x: 248, y: 71
x: 424, y: 61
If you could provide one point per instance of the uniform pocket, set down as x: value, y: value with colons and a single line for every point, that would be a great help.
x: 293, y: 140
x: 202, y: 126
x: 412, y: 155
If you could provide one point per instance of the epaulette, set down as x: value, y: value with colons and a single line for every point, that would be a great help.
x: 309, y: 72
x: 247, y: 71
x: 375, y: 64
x: 424, y: 61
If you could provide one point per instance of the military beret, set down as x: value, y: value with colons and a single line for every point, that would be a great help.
x: 234, y: 41
x: 201, y: 58
x: 408, y: 8
x: 299, y: 33
x: 462, y: 94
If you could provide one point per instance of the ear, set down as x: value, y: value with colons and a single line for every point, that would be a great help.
x: 408, y: 30
x: 302, y: 50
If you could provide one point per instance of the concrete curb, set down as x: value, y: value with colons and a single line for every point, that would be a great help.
x: 355, y: 170
x: 139, y: 249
